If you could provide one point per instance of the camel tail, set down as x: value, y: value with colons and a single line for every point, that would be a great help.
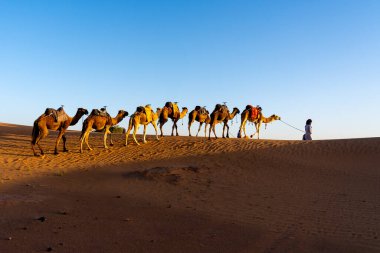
x: 35, y: 132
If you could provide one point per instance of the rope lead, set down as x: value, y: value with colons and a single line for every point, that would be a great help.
x: 292, y: 126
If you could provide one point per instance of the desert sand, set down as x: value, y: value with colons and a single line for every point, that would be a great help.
x: 188, y: 194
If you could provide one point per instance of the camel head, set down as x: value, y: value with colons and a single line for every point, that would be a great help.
x: 122, y: 113
x: 158, y: 111
x: 276, y: 117
x: 237, y: 110
x: 183, y: 113
x: 82, y: 111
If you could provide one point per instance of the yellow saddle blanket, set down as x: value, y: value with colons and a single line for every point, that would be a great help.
x: 175, y: 109
x: 149, y: 113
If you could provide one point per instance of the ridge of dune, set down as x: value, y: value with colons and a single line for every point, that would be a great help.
x: 190, y: 194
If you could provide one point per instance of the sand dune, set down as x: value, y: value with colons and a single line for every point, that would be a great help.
x: 187, y: 194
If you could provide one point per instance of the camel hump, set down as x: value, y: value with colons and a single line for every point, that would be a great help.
x: 59, y: 115
x: 220, y: 107
x: 249, y: 107
x: 140, y: 109
x: 201, y: 110
x: 102, y: 112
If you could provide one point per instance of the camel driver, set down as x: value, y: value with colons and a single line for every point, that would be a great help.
x: 308, y: 131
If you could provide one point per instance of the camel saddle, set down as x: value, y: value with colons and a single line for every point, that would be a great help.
x: 253, y: 111
x: 147, y: 110
x: 103, y: 113
x: 221, y: 108
x: 59, y: 115
x: 201, y: 110
x: 174, y: 107
x: 140, y: 109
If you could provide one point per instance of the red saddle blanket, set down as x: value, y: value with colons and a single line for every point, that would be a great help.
x: 253, y: 112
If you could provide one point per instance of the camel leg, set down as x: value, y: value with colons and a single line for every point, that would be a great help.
x: 39, y: 146
x: 87, y: 136
x: 199, y: 129
x: 245, y: 129
x: 190, y: 123
x: 34, y: 142
x: 206, y: 130
x: 34, y: 151
x: 127, y: 134
x: 173, y: 127
x: 243, y: 126
x: 111, y: 141
x: 81, y: 142
x: 105, y: 136
x: 144, y: 135
x: 258, y: 130
x: 155, y: 129
x: 241, y: 129
x: 38, y: 138
x: 176, y: 128
x: 240, y: 133
x: 255, y: 131
x: 82, y: 139
x: 60, y: 134
x: 212, y: 128
x: 161, y: 125
x: 44, y: 133
x: 64, y: 143
x: 136, y: 128
x: 228, y: 130
x: 209, y: 132
x: 224, y: 127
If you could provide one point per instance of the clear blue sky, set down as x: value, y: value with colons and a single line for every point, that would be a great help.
x: 298, y: 59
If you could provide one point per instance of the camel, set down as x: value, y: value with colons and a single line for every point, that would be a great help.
x: 219, y: 115
x: 44, y: 123
x: 144, y: 116
x: 99, y: 123
x: 170, y: 110
x: 245, y: 116
x: 202, y: 116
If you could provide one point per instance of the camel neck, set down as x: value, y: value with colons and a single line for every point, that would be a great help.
x: 75, y: 119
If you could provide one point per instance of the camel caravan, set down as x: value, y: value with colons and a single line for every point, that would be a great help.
x: 101, y: 121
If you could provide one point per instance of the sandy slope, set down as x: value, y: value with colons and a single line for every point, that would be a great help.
x: 185, y: 194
